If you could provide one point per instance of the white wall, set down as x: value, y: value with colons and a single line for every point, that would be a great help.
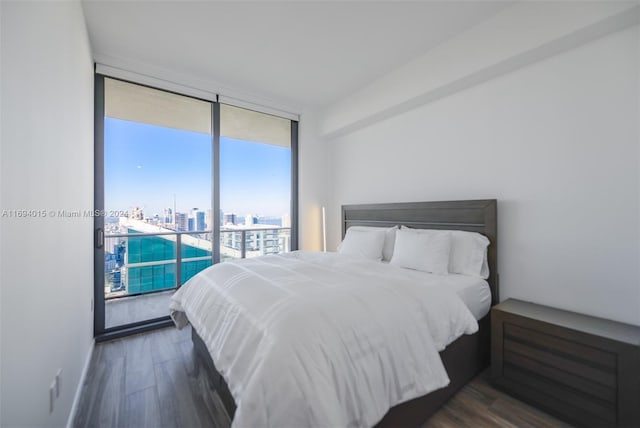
x: 556, y: 142
x: 520, y: 34
x: 312, y: 181
x: 46, y: 164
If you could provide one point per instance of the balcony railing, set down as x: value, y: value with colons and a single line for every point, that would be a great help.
x: 252, y: 242
x: 144, y: 263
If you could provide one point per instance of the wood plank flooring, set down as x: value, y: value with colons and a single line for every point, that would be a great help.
x: 479, y: 404
x: 154, y: 380
x: 148, y: 380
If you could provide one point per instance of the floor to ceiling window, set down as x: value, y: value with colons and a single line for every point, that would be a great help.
x: 181, y: 183
x: 255, y: 183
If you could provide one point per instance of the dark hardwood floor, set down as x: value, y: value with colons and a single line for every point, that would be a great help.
x: 152, y: 380
x: 148, y: 380
x: 479, y: 404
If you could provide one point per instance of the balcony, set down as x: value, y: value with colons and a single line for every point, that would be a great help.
x: 143, y: 269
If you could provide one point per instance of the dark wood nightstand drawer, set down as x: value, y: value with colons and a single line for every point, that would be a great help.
x: 583, y: 369
x: 606, y: 393
x: 561, y: 346
x: 581, y: 407
x: 576, y: 364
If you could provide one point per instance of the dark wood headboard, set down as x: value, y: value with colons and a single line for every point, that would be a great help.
x: 473, y: 216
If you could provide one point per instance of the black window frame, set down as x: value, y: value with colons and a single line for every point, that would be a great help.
x: 99, y: 331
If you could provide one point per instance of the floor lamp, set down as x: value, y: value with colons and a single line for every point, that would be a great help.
x: 324, y: 231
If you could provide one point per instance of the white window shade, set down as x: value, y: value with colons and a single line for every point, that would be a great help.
x: 137, y: 103
x: 192, y: 88
x: 249, y: 125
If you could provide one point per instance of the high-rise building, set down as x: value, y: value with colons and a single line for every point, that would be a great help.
x: 250, y: 219
x: 208, y: 219
x: 196, y: 220
x: 136, y: 213
x: 261, y: 240
x: 229, y: 218
x: 199, y: 217
x: 168, y: 215
x: 181, y: 222
x: 148, y: 265
x: 119, y: 250
x: 191, y: 224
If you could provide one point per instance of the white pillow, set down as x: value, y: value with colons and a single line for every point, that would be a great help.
x: 389, y: 238
x: 426, y: 250
x: 468, y: 255
x: 366, y: 244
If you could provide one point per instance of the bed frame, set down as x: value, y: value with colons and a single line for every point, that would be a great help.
x: 465, y: 357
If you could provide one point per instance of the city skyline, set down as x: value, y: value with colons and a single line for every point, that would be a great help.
x: 148, y: 167
x: 199, y: 220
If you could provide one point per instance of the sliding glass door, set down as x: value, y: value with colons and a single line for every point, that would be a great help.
x: 156, y: 190
x: 180, y: 184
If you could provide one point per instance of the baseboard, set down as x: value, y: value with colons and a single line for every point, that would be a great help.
x: 83, y: 376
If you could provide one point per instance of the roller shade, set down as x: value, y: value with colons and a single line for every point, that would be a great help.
x: 248, y: 125
x: 192, y: 89
x: 137, y: 103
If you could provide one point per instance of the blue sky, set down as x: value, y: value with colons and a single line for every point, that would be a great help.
x: 145, y: 165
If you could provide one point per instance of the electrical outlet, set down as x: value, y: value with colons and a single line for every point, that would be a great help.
x: 58, y: 382
x: 52, y: 395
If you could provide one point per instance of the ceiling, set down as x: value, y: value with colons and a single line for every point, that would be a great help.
x: 301, y: 54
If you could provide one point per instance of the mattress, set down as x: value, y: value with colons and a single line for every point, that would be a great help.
x: 474, y: 292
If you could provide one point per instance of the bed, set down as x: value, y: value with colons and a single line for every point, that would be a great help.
x: 464, y: 357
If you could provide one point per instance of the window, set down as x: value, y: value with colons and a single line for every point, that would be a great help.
x: 183, y: 183
x: 255, y: 183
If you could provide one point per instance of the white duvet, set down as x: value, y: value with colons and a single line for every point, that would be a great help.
x: 321, y: 339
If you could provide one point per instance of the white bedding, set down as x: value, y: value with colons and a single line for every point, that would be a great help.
x: 474, y: 292
x: 321, y: 339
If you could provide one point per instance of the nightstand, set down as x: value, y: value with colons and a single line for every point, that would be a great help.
x: 583, y: 369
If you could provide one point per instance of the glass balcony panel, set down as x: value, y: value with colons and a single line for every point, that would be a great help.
x: 140, y: 271
x: 139, y: 277
x: 196, y: 254
x: 257, y: 242
x: 230, y: 245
